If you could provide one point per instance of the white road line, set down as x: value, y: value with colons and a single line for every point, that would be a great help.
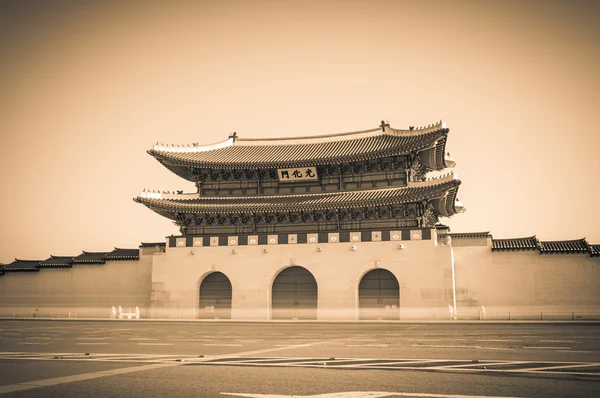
x: 222, y: 345
x: 32, y: 343
x: 498, y: 340
x: 92, y: 338
x: 368, y: 345
x: 557, y: 341
x: 91, y: 343
x: 478, y: 347
x: 156, y: 344
x: 141, y: 339
x: 424, y: 340
x: 470, y: 365
x: 363, y: 394
x: 547, y: 348
x: 579, y: 365
x: 79, y: 377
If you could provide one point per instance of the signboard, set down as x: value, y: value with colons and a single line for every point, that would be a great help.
x: 298, y: 174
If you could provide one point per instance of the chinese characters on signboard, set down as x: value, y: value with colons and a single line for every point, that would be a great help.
x: 298, y: 174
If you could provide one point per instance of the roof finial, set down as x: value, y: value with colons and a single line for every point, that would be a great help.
x: 233, y: 136
x: 383, y: 125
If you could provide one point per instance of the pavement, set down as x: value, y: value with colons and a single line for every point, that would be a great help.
x: 153, y: 358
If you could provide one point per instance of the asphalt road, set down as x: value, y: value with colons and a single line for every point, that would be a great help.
x: 148, y: 358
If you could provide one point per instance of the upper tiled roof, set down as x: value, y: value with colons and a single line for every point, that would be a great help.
x: 153, y: 244
x: 565, y: 246
x: 22, y: 266
x: 57, y: 262
x: 530, y: 243
x: 595, y: 250
x: 469, y: 235
x: 123, y: 254
x: 91, y: 258
x: 311, y: 151
x: 441, y: 191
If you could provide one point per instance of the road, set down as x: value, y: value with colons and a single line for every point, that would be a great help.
x: 151, y: 358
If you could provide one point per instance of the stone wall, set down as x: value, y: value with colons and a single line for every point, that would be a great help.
x: 421, y: 267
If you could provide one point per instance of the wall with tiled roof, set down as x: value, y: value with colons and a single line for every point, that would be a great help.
x: 84, y: 290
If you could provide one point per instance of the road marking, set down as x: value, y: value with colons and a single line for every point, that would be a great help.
x: 80, y: 377
x: 32, y: 343
x: 363, y: 394
x: 579, y: 365
x: 424, y: 340
x: 479, y: 347
x: 557, y: 341
x: 498, y: 340
x: 141, y: 339
x: 222, y: 345
x: 91, y: 343
x: 156, y: 344
x: 92, y: 338
x: 368, y: 345
x: 547, y: 348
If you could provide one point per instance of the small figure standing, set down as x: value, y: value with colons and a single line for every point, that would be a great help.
x: 451, y: 311
x: 482, y: 313
x: 113, y: 312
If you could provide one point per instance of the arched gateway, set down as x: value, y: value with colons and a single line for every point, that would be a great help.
x: 359, y: 193
x: 215, y: 296
x: 379, y: 295
x: 294, y: 294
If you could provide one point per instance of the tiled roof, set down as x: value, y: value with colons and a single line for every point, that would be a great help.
x: 442, y: 190
x: 595, y: 250
x: 90, y: 258
x: 469, y: 235
x: 153, y: 244
x: 530, y: 243
x: 57, y: 262
x: 22, y: 266
x: 123, y: 254
x: 311, y: 151
x: 564, y: 246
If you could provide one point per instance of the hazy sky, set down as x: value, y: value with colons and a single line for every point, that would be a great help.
x: 87, y: 87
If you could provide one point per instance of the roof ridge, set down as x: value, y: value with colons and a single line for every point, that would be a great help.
x: 562, y: 241
x: 523, y: 238
x: 352, y: 135
x: 306, y: 137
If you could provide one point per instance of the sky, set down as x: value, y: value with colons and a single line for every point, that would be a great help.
x: 86, y: 88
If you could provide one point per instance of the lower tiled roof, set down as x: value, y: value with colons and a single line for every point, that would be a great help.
x: 57, y: 262
x: 123, y: 254
x: 530, y: 243
x: 565, y: 246
x: 91, y: 258
x: 469, y: 235
x: 316, y: 201
x: 22, y: 266
x: 595, y: 250
x: 153, y: 244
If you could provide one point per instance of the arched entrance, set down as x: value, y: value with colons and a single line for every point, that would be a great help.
x: 215, y: 296
x: 379, y: 295
x: 294, y: 294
